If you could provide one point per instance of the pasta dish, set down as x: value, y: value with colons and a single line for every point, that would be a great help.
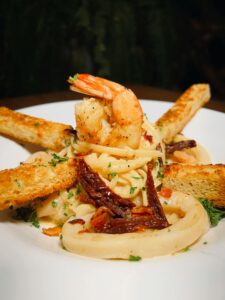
x: 118, y: 186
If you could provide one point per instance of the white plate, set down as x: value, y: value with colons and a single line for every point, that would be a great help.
x: 34, y: 266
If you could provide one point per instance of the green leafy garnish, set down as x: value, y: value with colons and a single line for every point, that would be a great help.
x: 74, y: 78
x: 56, y: 159
x: 143, y: 189
x: 134, y: 258
x: 78, y: 187
x: 109, y: 165
x: 132, y: 189
x: 17, y: 183
x: 186, y: 249
x: 215, y: 214
x: 205, y: 243
x: 146, y: 116
x: 34, y: 219
x: 160, y: 173
x: 36, y: 124
x: 54, y: 204
x: 112, y: 175
x: 70, y: 194
x: 156, y: 163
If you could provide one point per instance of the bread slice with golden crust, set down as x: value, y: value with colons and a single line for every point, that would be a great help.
x: 51, y: 135
x: 174, y: 120
x: 38, y: 179
x: 200, y: 181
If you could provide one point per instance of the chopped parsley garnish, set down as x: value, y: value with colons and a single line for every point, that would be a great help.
x: 56, y: 159
x: 166, y: 162
x: 34, y: 220
x: 143, y: 189
x: 156, y: 163
x: 74, y: 78
x: 54, y: 204
x: 186, y: 249
x: 17, y: 183
x: 137, y: 177
x: 160, y: 173
x: 215, y: 214
x: 42, y: 165
x: 134, y: 258
x: 70, y: 194
x: 146, y: 116
x: 109, y: 165
x: 36, y: 124
x: 132, y: 189
x: 205, y: 243
x: 65, y: 214
x: 112, y: 175
x: 78, y: 187
x: 165, y: 202
x: 27, y: 214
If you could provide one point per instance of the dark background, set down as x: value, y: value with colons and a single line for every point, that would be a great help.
x: 168, y: 44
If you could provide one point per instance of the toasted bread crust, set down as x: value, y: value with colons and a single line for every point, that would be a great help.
x: 174, y: 120
x: 51, y: 135
x: 200, y: 181
x: 29, y: 181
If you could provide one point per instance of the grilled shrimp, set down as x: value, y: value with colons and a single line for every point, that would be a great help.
x: 113, y: 117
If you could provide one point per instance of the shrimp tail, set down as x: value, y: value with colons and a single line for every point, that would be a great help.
x: 94, y: 86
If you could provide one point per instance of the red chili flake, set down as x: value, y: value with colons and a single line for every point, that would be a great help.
x: 148, y: 137
x: 77, y: 221
x: 52, y: 231
x: 166, y: 192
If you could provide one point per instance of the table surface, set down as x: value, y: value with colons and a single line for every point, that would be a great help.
x: 142, y: 92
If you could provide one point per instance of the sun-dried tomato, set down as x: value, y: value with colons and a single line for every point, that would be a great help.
x: 172, y: 147
x: 100, y: 193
